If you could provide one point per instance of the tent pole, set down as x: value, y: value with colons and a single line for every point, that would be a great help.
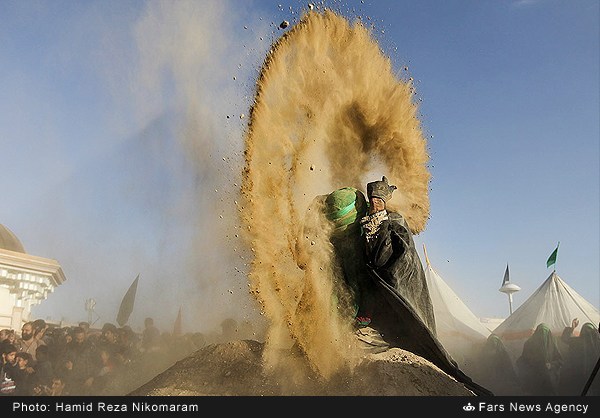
x: 592, y: 376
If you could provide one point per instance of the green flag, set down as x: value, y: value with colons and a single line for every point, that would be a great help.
x: 127, y: 303
x: 552, y: 258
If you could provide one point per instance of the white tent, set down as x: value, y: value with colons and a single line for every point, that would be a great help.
x: 554, y: 303
x: 458, y: 329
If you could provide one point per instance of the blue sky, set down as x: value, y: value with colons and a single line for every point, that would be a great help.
x: 103, y: 171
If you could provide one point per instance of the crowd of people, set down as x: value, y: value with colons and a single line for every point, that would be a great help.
x: 385, y: 292
x: 82, y: 361
x: 549, y: 365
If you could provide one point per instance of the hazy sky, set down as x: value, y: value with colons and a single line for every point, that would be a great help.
x: 121, y: 137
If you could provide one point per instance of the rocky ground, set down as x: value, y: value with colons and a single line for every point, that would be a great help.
x: 236, y: 369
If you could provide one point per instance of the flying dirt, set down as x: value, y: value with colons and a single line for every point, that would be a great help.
x: 329, y: 112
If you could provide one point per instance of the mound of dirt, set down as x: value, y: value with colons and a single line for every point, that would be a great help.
x: 236, y: 369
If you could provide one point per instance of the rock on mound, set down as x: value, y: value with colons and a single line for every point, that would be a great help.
x: 236, y: 369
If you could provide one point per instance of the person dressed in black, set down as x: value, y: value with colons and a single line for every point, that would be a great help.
x: 540, y: 363
x: 43, y: 370
x: 344, y: 208
x: 22, y: 374
x: 8, y: 363
x: 383, y: 278
x: 495, y: 369
x: 391, y: 253
x: 404, y: 313
x: 78, y: 364
x: 330, y: 234
x: 580, y: 359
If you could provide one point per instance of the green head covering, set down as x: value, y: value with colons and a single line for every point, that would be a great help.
x: 588, y: 328
x: 345, y: 207
x: 543, y: 334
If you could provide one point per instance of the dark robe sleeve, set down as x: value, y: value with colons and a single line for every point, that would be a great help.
x: 392, y: 254
x: 381, y: 250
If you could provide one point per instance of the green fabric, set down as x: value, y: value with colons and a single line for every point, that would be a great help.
x: 546, y: 335
x: 552, y: 258
x: 342, y: 212
x: 345, y: 206
x: 588, y: 327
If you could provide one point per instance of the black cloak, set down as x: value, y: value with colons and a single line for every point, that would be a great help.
x: 404, y: 312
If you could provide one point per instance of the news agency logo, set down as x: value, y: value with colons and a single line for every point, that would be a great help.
x: 468, y: 407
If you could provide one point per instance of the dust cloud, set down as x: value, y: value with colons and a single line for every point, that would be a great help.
x: 329, y: 112
x: 184, y: 79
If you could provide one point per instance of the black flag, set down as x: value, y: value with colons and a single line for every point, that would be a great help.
x: 506, y: 276
x: 127, y: 303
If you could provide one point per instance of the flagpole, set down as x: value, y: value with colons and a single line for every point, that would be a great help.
x: 506, y: 280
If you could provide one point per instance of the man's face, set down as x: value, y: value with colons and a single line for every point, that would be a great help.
x: 110, y: 336
x: 79, y: 337
x: 376, y: 204
x: 26, y: 332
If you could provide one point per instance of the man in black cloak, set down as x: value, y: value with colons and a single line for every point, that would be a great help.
x: 375, y: 254
x: 403, y: 314
x: 540, y: 363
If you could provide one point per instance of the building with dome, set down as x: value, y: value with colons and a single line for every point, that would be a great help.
x: 25, y: 280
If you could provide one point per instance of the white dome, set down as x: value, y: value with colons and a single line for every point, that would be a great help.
x: 9, y: 241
